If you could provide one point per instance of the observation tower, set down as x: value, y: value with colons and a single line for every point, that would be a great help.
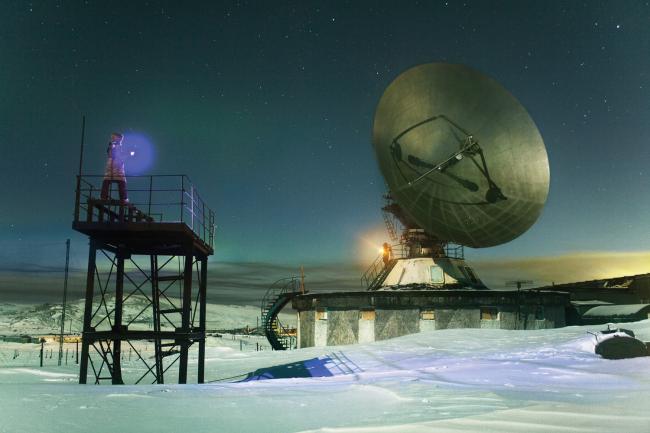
x: 145, y: 301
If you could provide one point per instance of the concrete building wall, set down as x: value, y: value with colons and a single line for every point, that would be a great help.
x: 351, y: 317
x: 427, y: 325
x: 555, y: 316
x: 532, y: 322
x: 367, y: 328
x: 539, y: 324
x: 298, y: 330
x: 508, y: 319
x: 342, y: 327
x: 306, y: 328
x: 528, y: 318
x: 320, y: 330
x: 523, y: 318
x: 490, y: 324
x: 458, y: 318
x: 395, y: 323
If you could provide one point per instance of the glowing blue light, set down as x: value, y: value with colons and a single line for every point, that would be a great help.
x: 141, y: 153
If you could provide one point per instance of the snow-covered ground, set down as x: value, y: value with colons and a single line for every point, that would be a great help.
x: 465, y: 380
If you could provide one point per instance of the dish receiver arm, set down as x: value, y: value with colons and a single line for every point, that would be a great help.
x: 469, y: 147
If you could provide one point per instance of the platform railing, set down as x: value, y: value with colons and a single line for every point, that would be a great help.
x: 154, y: 198
x: 454, y: 251
x: 382, y: 264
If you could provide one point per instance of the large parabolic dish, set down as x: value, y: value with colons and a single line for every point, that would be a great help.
x: 461, y: 156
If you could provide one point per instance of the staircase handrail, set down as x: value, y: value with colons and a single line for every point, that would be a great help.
x: 279, y: 287
x: 274, y: 300
x: 373, y: 270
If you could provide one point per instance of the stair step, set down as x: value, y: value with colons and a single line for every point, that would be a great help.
x: 171, y: 310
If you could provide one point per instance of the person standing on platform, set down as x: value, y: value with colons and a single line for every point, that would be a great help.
x: 114, y: 170
x: 387, y: 253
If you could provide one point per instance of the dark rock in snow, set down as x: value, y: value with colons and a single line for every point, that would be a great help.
x: 620, y: 347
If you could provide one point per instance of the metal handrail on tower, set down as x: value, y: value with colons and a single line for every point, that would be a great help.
x: 151, y: 200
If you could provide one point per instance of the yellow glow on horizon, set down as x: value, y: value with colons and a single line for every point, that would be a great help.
x: 564, y: 268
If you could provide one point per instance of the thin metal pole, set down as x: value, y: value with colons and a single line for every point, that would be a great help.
x: 83, y: 134
x: 65, y: 295
x: 81, y: 159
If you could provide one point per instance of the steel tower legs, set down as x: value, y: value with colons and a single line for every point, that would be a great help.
x: 163, y: 318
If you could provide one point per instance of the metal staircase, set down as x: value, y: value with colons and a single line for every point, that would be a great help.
x: 276, y: 298
x: 375, y: 275
x: 391, y: 225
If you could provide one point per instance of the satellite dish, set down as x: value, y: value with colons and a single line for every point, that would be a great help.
x: 461, y: 156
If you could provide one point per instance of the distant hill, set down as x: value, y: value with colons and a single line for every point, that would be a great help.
x: 45, y: 318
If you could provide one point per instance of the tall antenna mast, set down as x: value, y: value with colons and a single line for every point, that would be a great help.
x: 81, y: 160
x: 83, y: 133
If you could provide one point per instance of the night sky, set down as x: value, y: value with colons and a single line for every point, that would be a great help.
x: 268, y: 107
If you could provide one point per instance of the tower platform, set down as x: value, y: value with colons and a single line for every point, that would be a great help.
x: 163, y: 213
